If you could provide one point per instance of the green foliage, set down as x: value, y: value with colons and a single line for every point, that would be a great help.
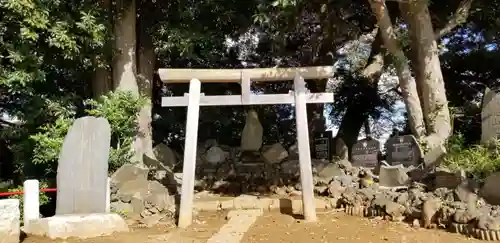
x: 48, y: 49
x: 119, y: 108
x: 476, y: 160
x: 36, y: 35
x: 123, y: 213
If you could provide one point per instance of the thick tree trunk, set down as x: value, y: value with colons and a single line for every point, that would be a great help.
x: 146, y: 66
x: 357, y: 112
x: 352, y: 121
x: 430, y: 77
x: 407, y: 83
x: 413, y: 56
x: 316, y: 86
x: 415, y: 16
x: 124, y: 65
x: 368, y: 130
x: 102, y: 82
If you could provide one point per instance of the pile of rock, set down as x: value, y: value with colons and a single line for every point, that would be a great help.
x: 438, y: 199
x: 225, y: 169
x: 142, y: 201
x: 429, y: 199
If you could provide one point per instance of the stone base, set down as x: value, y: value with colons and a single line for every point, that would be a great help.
x: 9, y: 221
x: 253, y: 202
x: 80, y: 226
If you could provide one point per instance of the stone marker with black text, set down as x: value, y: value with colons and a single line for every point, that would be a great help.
x: 365, y: 153
x: 322, y: 145
x: 403, y: 150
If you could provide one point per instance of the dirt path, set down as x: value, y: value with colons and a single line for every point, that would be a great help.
x: 337, y: 227
x: 276, y: 227
x: 205, y: 225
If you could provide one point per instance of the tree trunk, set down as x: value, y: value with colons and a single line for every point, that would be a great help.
x: 430, y: 77
x: 102, y: 82
x: 316, y: 86
x: 124, y: 63
x: 357, y: 113
x: 124, y: 66
x: 146, y: 66
x: 351, y: 122
x: 407, y: 83
x: 413, y: 56
x: 368, y: 130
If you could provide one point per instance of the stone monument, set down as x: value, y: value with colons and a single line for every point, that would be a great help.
x: 251, y: 136
x: 403, y: 150
x: 490, y: 116
x: 365, y: 153
x: 82, y: 186
x: 322, y: 145
x: 82, y: 171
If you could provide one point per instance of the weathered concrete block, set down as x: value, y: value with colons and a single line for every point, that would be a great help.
x: 393, y: 176
x: 246, y: 202
x: 275, y: 154
x: 447, y: 179
x: 207, y: 206
x: 80, y: 226
x: 9, y: 221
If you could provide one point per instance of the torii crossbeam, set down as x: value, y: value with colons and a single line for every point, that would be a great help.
x: 194, y: 99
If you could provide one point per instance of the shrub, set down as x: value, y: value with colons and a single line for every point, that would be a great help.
x: 476, y: 160
x: 119, y: 108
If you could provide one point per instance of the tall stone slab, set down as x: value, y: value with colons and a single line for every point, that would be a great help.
x: 251, y: 136
x: 82, y: 172
x: 490, y: 116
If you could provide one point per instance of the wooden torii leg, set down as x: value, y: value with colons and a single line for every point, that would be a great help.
x: 306, y: 177
x: 188, y: 170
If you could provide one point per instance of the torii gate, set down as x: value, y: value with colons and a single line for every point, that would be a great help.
x: 194, y: 99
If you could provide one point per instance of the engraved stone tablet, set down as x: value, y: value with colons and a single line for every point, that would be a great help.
x: 82, y: 171
x: 365, y: 153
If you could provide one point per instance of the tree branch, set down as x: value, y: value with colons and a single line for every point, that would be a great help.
x: 457, y: 19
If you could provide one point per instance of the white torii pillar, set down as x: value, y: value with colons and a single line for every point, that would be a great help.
x: 188, y: 169
x: 300, y: 97
x: 306, y: 177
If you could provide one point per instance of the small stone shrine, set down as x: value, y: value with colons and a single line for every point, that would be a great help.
x: 322, y: 145
x: 365, y: 153
x: 251, y: 136
x: 403, y: 150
